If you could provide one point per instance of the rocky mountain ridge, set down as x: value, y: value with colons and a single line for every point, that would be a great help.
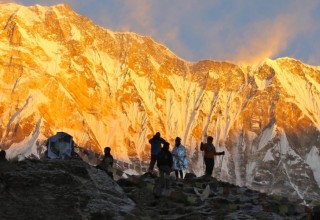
x: 61, y: 189
x: 72, y: 189
x: 60, y: 72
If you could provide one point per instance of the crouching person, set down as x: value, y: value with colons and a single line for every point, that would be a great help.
x: 164, y: 163
x: 107, y: 162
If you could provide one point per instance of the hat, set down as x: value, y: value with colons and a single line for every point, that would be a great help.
x: 107, y: 149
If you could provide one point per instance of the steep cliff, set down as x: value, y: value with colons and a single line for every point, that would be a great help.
x: 61, y: 72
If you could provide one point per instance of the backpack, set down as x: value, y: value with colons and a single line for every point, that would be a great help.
x: 163, y: 158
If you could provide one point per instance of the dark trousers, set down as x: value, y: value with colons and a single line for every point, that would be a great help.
x: 152, y: 162
x: 165, y: 176
x: 209, y: 165
x: 180, y: 172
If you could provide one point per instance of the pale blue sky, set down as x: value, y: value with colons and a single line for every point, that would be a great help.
x: 242, y: 31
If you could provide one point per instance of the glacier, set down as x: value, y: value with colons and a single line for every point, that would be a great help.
x: 61, y: 72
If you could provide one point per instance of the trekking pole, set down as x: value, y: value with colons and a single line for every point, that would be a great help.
x: 204, y: 135
x: 221, y: 165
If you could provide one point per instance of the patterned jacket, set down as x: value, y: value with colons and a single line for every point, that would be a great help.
x: 180, y: 160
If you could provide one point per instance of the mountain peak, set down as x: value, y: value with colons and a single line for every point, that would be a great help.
x: 61, y: 72
x: 9, y: 6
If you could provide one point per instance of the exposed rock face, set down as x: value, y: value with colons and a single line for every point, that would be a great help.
x: 207, y: 198
x: 60, y: 72
x: 72, y: 189
x: 60, y: 189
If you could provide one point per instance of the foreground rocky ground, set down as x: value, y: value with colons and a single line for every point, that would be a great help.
x: 60, y: 189
x: 223, y: 200
x: 72, y: 189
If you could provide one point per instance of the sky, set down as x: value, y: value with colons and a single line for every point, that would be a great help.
x: 238, y: 31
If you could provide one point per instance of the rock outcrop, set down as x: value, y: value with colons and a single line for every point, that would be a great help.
x: 60, y: 189
x: 61, y: 72
x: 72, y: 189
x: 207, y: 198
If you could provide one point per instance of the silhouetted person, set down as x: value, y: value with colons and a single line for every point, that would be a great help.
x: 164, y: 163
x: 180, y: 160
x: 209, y: 153
x: 3, y: 156
x: 155, y: 142
x: 107, y: 162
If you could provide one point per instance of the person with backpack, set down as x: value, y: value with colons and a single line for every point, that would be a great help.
x: 180, y: 160
x: 164, y: 163
x: 156, y: 141
x: 107, y: 162
x: 209, y: 153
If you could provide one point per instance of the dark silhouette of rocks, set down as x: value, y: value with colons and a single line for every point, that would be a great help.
x: 72, y: 189
x: 225, y: 201
x: 60, y: 189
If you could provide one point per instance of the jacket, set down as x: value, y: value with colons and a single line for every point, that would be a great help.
x: 164, y: 158
x: 180, y: 160
x: 209, y: 150
x: 156, y: 144
x: 107, y: 163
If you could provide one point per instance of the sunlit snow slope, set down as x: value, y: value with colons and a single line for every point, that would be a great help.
x: 60, y: 72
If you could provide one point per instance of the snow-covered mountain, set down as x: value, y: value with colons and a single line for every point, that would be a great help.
x: 61, y: 72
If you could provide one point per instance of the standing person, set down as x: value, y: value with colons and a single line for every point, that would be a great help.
x: 155, y: 142
x: 3, y: 156
x: 180, y: 161
x: 209, y: 153
x: 164, y: 163
x: 107, y: 162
